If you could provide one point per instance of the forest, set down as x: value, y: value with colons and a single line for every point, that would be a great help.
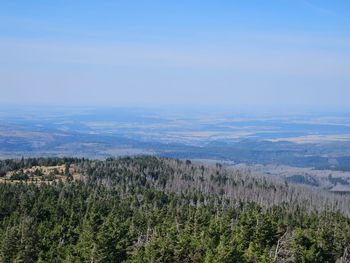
x: 149, y: 209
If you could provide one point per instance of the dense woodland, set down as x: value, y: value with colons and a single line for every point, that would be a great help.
x: 146, y: 209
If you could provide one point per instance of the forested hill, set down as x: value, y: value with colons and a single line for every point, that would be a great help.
x: 145, y: 209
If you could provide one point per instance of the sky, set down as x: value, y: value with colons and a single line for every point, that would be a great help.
x: 282, y: 53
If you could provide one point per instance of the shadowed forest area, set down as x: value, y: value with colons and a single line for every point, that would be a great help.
x: 148, y: 209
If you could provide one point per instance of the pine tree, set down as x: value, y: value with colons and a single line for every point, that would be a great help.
x: 9, y: 245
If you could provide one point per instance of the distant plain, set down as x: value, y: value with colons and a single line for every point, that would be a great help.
x: 309, y: 149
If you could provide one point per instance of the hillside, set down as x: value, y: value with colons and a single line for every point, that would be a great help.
x: 147, y: 209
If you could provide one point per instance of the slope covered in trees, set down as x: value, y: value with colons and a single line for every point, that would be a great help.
x: 146, y: 209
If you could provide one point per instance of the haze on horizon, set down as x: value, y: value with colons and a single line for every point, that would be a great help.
x: 279, y: 53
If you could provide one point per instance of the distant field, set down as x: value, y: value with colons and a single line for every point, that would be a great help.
x: 297, y: 147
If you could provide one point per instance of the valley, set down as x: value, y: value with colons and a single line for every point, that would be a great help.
x: 313, y: 150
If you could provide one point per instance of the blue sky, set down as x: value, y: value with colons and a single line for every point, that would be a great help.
x: 131, y: 53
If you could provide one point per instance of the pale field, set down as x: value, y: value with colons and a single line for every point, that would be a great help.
x: 24, y: 134
x: 46, y: 170
x: 315, y: 138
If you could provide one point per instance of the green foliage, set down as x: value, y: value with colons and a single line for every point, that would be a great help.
x: 121, y: 213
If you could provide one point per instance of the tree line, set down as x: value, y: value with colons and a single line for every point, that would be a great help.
x: 147, y: 209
